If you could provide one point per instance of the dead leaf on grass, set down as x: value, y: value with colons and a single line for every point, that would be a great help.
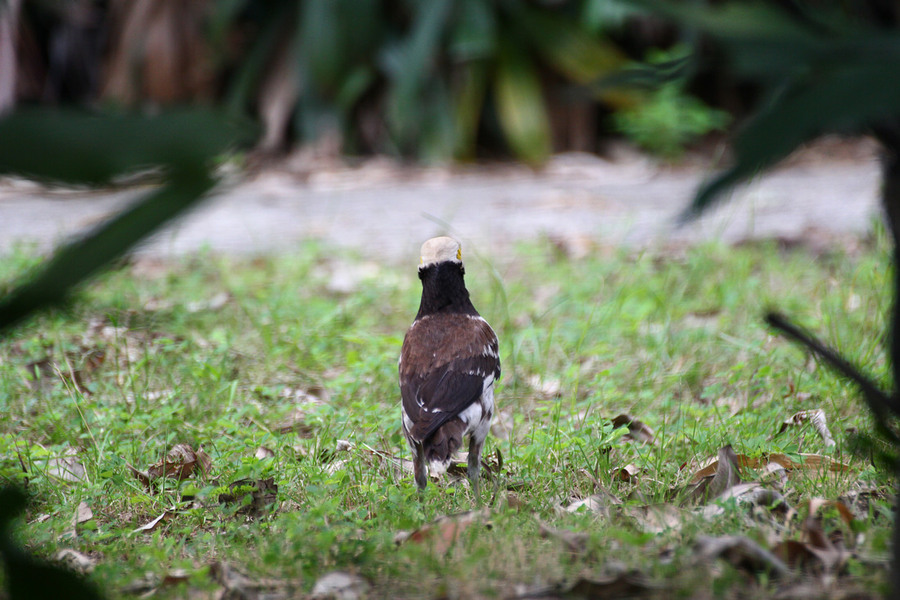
x: 627, y: 473
x: 66, y: 467
x: 598, y: 503
x: 816, y: 417
x: 83, y: 513
x: 212, y: 304
x: 442, y: 533
x: 742, y: 553
x: 340, y: 585
x: 180, y: 463
x: 816, y: 504
x: 727, y: 474
x: 238, y: 586
x: 574, y: 542
x: 254, y: 496
x: 817, y: 551
x: 75, y: 560
x: 153, y: 523
x: 638, y: 431
x: 548, y: 387
x: 751, y: 493
x: 631, y: 584
x: 654, y: 518
x: 262, y: 453
x: 806, y: 462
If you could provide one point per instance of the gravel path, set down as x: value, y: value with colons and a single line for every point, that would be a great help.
x: 385, y: 210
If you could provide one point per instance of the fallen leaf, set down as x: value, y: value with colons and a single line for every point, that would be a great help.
x: 816, y: 552
x: 742, y: 553
x: 807, y: 462
x: 262, y: 453
x: 816, y: 417
x: 180, y: 463
x: 654, y: 518
x: 83, y: 513
x: 632, y: 584
x: 238, y: 586
x: 255, y: 497
x: 340, y: 585
x: 726, y: 475
x: 626, y: 473
x: 816, y: 504
x: 152, y: 524
x: 75, y: 560
x: 442, y: 533
x: 549, y: 387
x: 66, y: 467
x: 574, y: 542
x: 598, y: 503
x: 638, y: 431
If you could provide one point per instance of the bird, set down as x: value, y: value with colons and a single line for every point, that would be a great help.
x: 449, y: 362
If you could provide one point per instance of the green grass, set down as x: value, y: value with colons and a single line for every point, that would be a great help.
x: 675, y: 340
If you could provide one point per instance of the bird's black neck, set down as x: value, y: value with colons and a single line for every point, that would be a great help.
x: 444, y: 291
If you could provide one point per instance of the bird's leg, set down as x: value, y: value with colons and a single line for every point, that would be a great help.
x: 419, y: 468
x: 474, y: 467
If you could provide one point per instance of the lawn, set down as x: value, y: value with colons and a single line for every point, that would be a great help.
x: 271, y: 385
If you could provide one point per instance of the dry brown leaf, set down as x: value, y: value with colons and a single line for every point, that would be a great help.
x: 152, y: 524
x: 442, y: 533
x: 262, y: 453
x: 75, y: 560
x: 743, y: 553
x: 807, y: 462
x: 816, y: 417
x: 817, y: 552
x: 66, y: 467
x: 238, y: 586
x: 549, y: 387
x: 655, y: 518
x: 254, y: 496
x: 340, y: 585
x: 630, y: 584
x: 638, y: 431
x: 727, y: 474
x: 574, y: 542
x: 598, y: 503
x: 180, y: 463
x: 816, y: 504
x: 83, y: 513
x: 626, y: 473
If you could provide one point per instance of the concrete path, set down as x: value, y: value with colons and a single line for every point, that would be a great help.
x: 385, y: 211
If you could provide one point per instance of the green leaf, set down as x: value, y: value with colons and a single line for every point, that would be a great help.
x: 79, y: 148
x: 850, y: 97
x: 76, y: 262
x: 578, y: 54
x: 469, y: 97
x: 474, y: 34
x: 520, y: 105
x: 93, y: 148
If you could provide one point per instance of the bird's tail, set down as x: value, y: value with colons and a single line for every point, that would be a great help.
x: 439, y: 448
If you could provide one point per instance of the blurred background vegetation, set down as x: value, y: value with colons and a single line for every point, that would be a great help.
x: 431, y: 80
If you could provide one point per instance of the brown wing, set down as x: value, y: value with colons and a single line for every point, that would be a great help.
x: 444, y: 363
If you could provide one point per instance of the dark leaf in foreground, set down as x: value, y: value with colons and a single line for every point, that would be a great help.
x: 93, y: 149
x: 28, y: 578
x: 632, y: 584
x: 727, y: 475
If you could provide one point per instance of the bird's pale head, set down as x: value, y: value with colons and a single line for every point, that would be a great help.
x: 440, y: 249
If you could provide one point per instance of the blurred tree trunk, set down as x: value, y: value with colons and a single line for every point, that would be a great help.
x: 9, y: 25
x: 158, y: 53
